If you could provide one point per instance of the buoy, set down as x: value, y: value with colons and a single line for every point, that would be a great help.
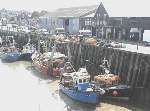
x: 114, y: 93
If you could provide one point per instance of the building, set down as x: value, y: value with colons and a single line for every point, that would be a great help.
x: 96, y: 21
x: 72, y: 19
x: 96, y: 18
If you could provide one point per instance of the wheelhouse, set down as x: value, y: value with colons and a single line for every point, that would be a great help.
x: 82, y: 76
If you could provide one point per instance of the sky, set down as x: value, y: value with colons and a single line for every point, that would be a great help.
x: 114, y: 7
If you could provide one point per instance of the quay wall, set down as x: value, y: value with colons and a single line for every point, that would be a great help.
x: 133, y: 68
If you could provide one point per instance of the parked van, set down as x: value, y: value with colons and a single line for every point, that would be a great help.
x: 87, y: 33
x: 59, y: 31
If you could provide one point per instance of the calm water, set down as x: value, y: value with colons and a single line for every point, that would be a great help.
x: 24, y: 89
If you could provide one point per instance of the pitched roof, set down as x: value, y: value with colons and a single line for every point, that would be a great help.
x: 73, y: 11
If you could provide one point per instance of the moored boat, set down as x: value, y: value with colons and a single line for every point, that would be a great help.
x: 105, y: 78
x: 111, y: 83
x: 77, y: 86
x: 27, y: 52
x: 11, y: 55
x: 49, y: 63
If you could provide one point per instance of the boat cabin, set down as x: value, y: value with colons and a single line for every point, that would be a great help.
x: 28, y: 48
x: 81, y: 79
x: 67, y: 79
x: 68, y: 68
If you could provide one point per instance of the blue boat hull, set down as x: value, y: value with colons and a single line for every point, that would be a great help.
x: 10, y: 57
x: 26, y: 56
x: 90, y: 97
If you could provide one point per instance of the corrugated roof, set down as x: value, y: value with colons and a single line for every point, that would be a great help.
x: 73, y: 11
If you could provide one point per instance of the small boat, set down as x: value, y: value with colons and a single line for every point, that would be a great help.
x: 77, y: 86
x: 11, y: 55
x: 27, y: 52
x: 105, y: 78
x: 118, y: 91
x: 111, y: 83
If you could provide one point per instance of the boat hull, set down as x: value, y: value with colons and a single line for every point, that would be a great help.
x: 26, y: 56
x: 90, y: 97
x: 10, y: 57
x: 46, y: 70
x: 117, y: 91
x: 41, y: 68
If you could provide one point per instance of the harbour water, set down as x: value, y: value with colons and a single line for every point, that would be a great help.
x: 24, y: 89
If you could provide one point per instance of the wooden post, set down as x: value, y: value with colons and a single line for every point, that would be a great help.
x: 116, y: 61
x: 38, y: 43
x: 130, y: 68
x: 146, y: 75
x: 114, y: 33
x: 121, y: 62
x: 135, y: 71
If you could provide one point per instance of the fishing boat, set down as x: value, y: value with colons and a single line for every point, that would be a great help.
x: 77, y: 86
x: 105, y: 78
x: 111, y: 83
x: 27, y: 52
x: 49, y: 63
x: 10, y: 55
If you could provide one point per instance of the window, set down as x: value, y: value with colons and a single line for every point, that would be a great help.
x: 97, y: 22
x: 104, y: 22
x: 84, y: 80
x: 101, y: 22
x: 87, y: 22
x: 99, y: 15
x: 93, y: 23
x: 87, y: 80
x: 80, y: 80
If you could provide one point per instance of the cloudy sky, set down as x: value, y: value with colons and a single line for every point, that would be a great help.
x: 114, y: 7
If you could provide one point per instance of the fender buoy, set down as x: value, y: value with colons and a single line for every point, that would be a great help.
x: 114, y: 93
x: 56, y: 72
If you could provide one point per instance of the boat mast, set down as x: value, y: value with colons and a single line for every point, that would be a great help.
x: 53, y: 51
x: 69, y: 53
x: 69, y: 56
x: 29, y: 39
x: 46, y: 43
x: 39, y: 43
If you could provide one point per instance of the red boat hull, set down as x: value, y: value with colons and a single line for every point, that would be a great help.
x: 44, y: 69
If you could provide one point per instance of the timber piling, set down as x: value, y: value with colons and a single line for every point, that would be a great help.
x: 132, y: 67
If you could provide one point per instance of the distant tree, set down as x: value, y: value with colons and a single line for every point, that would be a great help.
x: 12, y: 19
x: 35, y: 14
x: 43, y: 12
